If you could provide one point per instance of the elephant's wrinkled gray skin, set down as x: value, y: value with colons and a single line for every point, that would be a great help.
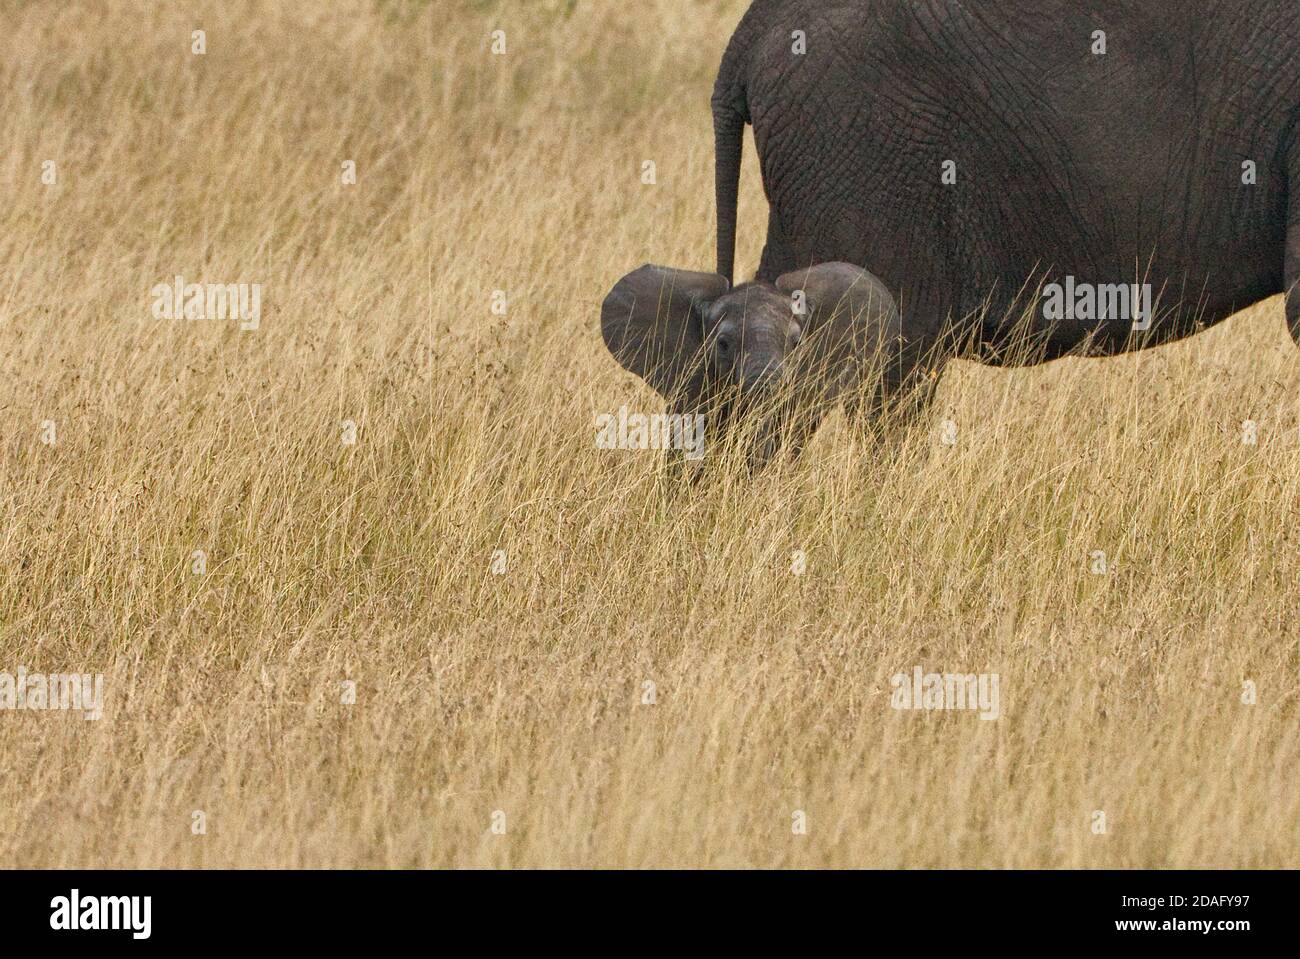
x: 1131, y: 165
x: 1107, y: 167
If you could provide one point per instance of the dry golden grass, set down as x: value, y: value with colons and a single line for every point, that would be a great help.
x: 522, y: 692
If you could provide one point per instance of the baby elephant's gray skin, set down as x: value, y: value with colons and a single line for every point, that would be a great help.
x: 779, y: 355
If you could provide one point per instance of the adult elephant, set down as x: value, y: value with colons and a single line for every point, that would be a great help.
x: 1005, y: 169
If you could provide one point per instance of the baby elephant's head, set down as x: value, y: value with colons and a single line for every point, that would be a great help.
x: 747, y: 333
x: 687, y: 334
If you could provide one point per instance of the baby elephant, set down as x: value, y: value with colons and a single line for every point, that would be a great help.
x: 762, y: 362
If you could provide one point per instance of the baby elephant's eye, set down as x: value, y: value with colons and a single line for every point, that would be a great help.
x: 724, y: 345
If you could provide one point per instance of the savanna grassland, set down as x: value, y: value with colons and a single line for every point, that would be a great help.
x: 180, y: 509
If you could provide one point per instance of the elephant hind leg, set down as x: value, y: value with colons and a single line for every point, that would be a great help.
x: 1292, y: 273
x: 1293, y: 312
x: 778, y: 253
x: 1293, y: 270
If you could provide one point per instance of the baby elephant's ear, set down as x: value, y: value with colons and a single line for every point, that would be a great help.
x: 652, y: 323
x: 845, y: 302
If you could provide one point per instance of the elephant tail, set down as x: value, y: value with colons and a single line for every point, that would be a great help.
x: 729, y: 116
